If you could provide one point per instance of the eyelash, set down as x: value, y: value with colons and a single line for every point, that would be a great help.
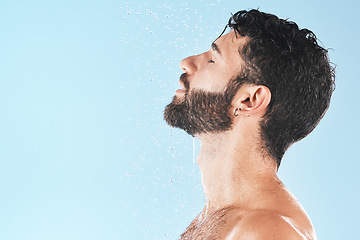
x: 211, y: 61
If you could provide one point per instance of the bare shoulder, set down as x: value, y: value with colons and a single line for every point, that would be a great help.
x: 259, y: 225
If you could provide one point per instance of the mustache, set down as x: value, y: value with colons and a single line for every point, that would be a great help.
x: 185, y: 81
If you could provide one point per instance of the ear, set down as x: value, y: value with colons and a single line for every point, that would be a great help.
x: 252, y: 99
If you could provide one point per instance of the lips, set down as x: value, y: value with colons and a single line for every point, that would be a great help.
x: 184, y: 84
x: 182, y: 90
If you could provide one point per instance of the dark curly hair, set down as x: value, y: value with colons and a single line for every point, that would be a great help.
x: 288, y: 61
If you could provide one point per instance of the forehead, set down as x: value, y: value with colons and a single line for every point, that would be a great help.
x: 231, y: 38
x: 230, y: 43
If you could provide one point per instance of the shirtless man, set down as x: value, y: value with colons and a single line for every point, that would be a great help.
x: 260, y: 88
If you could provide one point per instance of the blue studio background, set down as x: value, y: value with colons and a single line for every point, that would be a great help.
x: 84, y: 150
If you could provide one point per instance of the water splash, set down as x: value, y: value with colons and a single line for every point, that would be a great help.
x: 193, y: 173
x: 194, y: 151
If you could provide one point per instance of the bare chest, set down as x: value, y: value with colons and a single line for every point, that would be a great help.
x: 211, y: 227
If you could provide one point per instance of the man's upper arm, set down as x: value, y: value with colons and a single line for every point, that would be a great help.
x: 265, y: 227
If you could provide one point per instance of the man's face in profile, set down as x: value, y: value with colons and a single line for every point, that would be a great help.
x: 203, y: 104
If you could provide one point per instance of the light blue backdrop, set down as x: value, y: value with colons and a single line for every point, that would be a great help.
x: 84, y: 151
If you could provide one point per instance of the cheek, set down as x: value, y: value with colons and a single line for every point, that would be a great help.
x: 211, y: 80
x: 202, y: 81
x: 219, y: 81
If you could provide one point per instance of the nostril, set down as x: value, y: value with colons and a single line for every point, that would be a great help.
x: 183, y: 65
x: 183, y: 68
x: 188, y: 65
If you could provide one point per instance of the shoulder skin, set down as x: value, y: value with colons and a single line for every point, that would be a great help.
x: 267, y: 226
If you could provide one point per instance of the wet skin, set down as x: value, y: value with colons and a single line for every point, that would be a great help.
x: 245, y: 199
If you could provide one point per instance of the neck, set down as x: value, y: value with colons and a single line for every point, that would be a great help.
x: 233, y: 170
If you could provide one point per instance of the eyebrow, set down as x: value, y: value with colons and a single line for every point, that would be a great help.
x: 215, y: 47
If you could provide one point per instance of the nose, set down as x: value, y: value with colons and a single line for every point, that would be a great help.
x: 188, y: 65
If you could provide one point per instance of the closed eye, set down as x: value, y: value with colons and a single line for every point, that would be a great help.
x: 211, y: 61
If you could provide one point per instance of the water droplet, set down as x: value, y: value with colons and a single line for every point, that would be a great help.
x: 194, y: 152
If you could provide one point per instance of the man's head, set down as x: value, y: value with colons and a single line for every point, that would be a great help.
x: 261, y: 50
x: 202, y: 106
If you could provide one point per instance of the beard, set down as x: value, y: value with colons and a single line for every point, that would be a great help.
x: 200, y: 111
